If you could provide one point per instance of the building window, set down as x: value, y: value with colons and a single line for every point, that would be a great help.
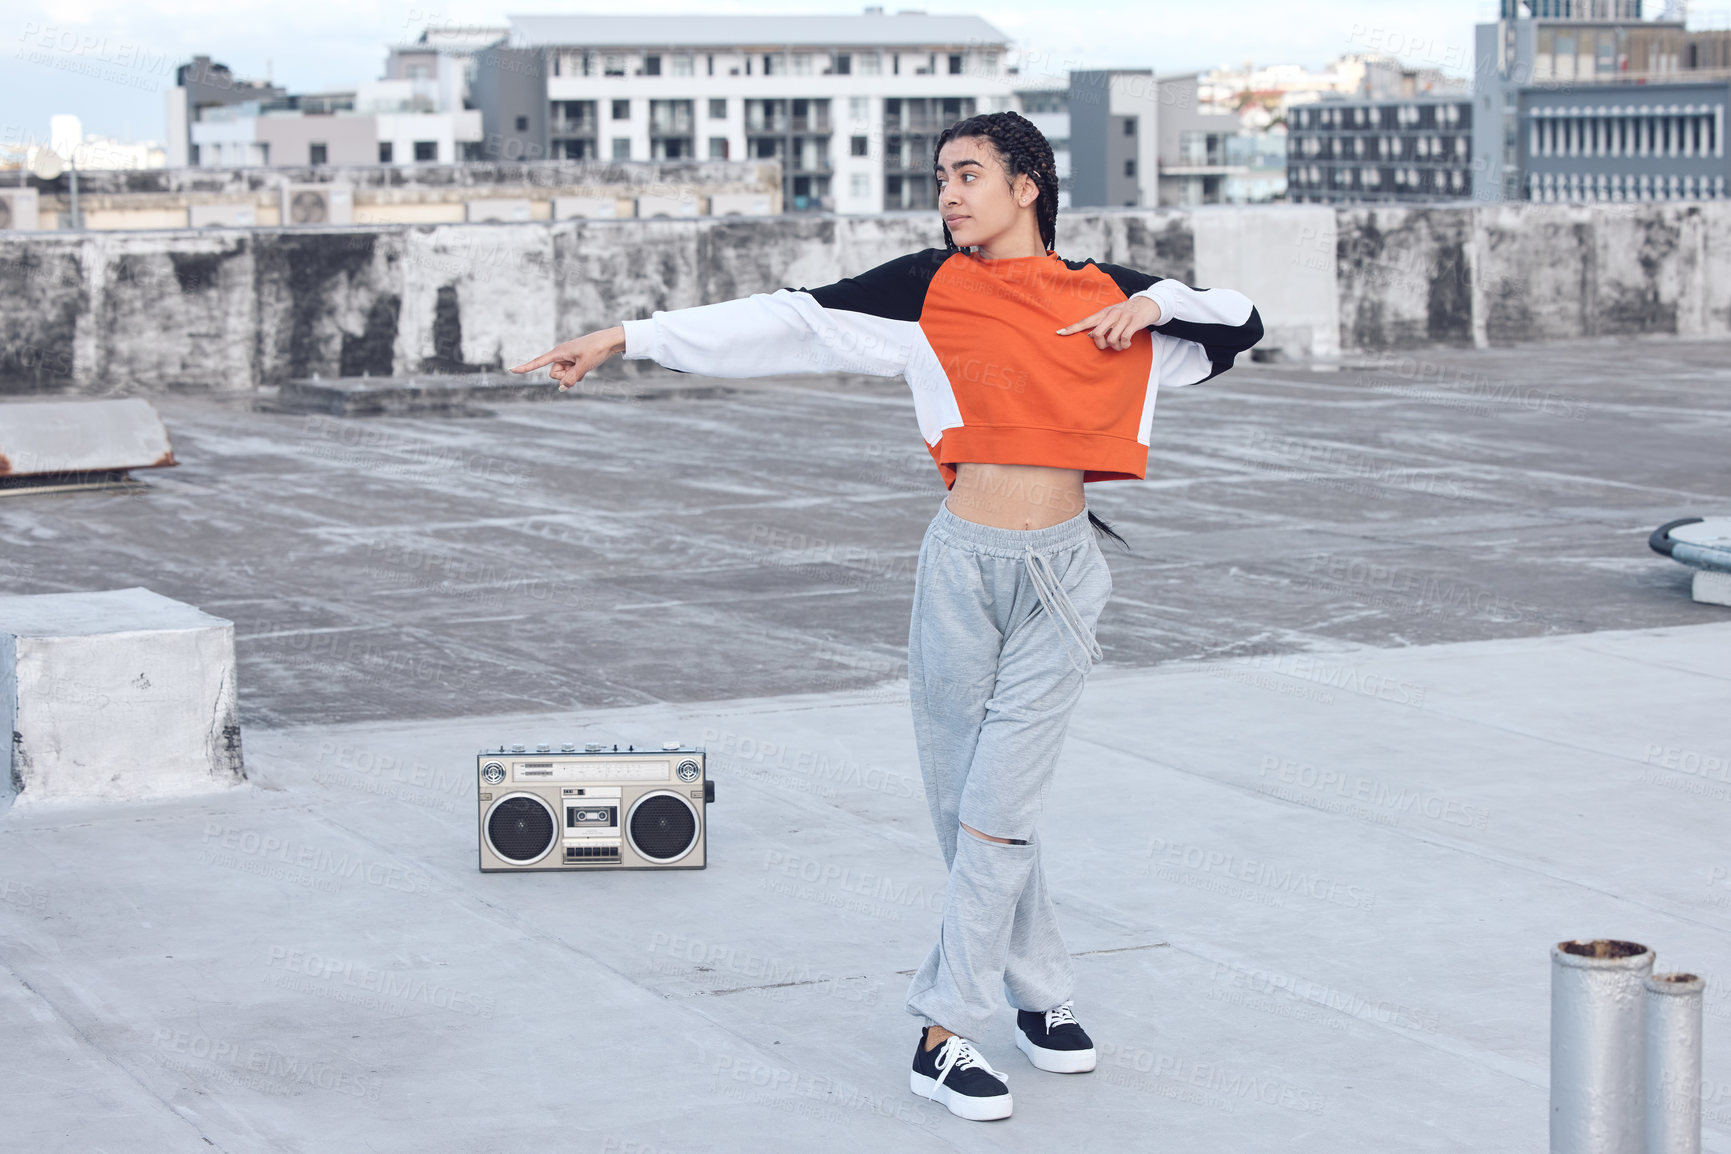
x: 652, y: 66
x: 718, y: 109
x: 621, y: 148
x: 858, y: 146
x: 682, y: 65
x: 858, y: 109
x: 1129, y: 168
x: 718, y: 148
x: 613, y: 64
x: 843, y: 64
x: 426, y: 150
x: 672, y: 130
x: 384, y: 152
x: 621, y: 110
x: 522, y: 124
x: 711, y: 59
x: 870, y: 64
x: 860, y: 185
x: 316, y: 153
x: 955, y: 64
x: 774, y: 64
x: 802, y: 64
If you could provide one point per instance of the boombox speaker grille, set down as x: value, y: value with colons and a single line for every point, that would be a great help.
x: 521, y: 829
x: 663, y: 826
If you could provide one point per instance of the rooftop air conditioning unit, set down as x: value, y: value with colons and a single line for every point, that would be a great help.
x: 739, y: 204
x: 18, y: 209
x: 496, y: 208
x: 590, y: 207
x: 317, y: 204
x: 648, y: 206
x: 222, y: 215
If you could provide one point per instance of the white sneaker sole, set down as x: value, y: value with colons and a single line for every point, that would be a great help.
x: 1056, y: 1061
x: 961, y: 1105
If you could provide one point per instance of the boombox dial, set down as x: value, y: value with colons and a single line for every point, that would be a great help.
x: 662, y: 826
x: 521, y: 828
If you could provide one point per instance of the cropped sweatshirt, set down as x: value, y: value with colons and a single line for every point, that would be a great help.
x: 976, y: 341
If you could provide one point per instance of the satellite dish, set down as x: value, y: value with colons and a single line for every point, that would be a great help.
x: 47, y: 164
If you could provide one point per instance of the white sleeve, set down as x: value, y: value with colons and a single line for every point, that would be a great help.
x: 1203, y: 330
x: 785, y: 331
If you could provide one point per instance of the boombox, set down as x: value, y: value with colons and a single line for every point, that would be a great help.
x: 598, y: 808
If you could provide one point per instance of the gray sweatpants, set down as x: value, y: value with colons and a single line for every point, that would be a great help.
x: 999, y: 646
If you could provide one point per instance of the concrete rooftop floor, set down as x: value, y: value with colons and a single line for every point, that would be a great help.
x: 1394, y: 697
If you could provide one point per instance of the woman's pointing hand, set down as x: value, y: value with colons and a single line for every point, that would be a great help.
x: 1115, y: 325
x: 571, y: 362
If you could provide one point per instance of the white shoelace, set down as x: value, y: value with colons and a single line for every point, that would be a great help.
x: 1060, y: 1017
x: 1047, y: 586
x: 956, y: 1050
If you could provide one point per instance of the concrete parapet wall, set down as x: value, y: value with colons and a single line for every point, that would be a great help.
x: 231, y: 309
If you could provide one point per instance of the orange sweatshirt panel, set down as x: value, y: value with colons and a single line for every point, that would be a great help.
x: 1026, y: 395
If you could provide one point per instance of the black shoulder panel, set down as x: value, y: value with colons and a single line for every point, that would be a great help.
x: 1128, y: 279
x: 895, y: 289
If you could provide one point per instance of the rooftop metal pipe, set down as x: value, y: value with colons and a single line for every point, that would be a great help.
x: 1598, y: 1031
x: 1673, y: 1054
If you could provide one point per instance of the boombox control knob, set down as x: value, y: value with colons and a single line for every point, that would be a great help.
x: 593, y: 747
x: 670, y: 745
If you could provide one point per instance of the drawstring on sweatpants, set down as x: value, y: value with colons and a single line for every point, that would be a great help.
x: 1046, y: 584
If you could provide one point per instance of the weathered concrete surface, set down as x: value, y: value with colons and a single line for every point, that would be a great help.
x: 231, y: 309
x: 118, y: 695
x: 612, y: 548
x: 228, y: 310
x: 1266, y: 892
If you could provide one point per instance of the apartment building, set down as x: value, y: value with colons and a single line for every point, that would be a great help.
x: 849, y: 105
x: 1343, y: 149
x: 419, y: 112
x: 1588, y: 100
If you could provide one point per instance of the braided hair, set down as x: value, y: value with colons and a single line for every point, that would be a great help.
x: 1023, y: 149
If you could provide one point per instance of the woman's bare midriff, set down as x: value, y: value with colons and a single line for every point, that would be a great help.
x: 1015, y: 496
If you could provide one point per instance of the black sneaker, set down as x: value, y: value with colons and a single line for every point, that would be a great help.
x: 1054, y: 1040
x: 958, y: 1076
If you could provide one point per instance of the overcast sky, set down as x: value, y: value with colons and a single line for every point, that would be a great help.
x: 108, y: 61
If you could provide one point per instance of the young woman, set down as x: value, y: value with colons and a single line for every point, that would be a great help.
x: 1031, y: 376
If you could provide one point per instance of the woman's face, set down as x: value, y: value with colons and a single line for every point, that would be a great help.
x: 975, y: 195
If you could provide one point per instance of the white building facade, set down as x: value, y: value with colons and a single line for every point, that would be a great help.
x: 850, y: 105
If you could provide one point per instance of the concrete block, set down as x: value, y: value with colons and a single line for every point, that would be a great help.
x: 46, y: 437
x: 353, y: 396
x: 1283, y: 258
x: 1711, y: 588
x: 117, y: 695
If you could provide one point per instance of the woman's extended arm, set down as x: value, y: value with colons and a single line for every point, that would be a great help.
x: 867, y: 324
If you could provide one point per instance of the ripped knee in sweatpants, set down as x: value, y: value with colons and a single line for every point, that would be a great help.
x: 990, y: 838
